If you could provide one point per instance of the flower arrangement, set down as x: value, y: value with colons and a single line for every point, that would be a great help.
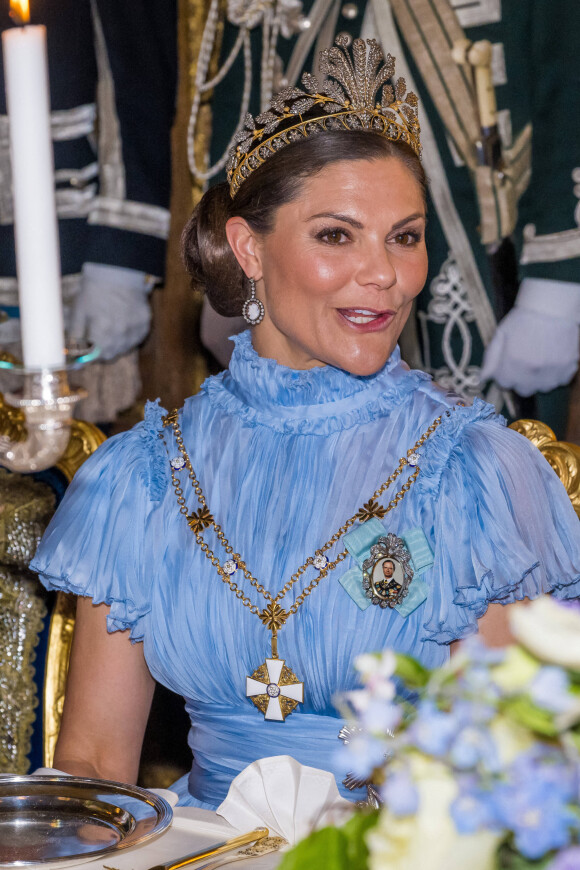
x: 477, y: 763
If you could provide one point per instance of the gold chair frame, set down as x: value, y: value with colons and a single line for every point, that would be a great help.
x: 84, y: 440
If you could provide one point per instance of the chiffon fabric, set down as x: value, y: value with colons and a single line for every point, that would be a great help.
x: 284, y: 457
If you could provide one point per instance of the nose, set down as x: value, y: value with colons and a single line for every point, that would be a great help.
x: 376, y: 267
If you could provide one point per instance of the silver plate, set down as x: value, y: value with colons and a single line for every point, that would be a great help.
x: 61, y: 819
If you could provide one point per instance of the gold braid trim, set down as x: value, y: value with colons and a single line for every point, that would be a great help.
x: 195, y: 13
x: 22, y: 612
x: 12, y: 422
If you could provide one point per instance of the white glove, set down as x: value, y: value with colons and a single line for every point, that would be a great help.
x: 536, y: 347
x: 112, y: 308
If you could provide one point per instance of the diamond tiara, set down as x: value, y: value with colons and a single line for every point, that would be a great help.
x: 345, y: 101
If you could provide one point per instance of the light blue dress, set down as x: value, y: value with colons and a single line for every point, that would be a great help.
x: 284, y: 458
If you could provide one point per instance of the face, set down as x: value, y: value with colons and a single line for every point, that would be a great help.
x: 338, y: 274
x: 388, y: 570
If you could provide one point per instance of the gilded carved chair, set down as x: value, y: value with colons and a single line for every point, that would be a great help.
x: 85, y: 438
x: 35, y: 628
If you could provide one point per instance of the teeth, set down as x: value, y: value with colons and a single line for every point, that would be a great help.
x: 361, y: 315
x: 360, y: 319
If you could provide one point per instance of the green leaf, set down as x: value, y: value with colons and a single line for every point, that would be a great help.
x: 509, y: 859
x: 355, y: 832
x: 526, y: 713
x: 411, y: 672
x: 333, y: 848
x: 575, y: 738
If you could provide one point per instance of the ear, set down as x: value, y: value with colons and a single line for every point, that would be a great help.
x: 243, y: 242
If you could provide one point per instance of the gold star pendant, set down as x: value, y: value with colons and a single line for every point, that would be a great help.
x: 371, y: 509
x: 199, y: 521
x: 273, y: 616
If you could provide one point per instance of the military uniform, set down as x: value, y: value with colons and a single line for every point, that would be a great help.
x: 113, y: 72
x: 535, y: 65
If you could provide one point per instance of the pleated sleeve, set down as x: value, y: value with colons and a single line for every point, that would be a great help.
x: 504, y: 529
x: 95, y: 545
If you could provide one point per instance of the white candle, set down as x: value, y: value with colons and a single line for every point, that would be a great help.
x: 35, y: 224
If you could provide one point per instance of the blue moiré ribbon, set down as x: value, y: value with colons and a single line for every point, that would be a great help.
x: 359, y: 542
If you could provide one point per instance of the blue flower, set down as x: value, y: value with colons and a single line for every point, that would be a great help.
x: 474, y: 746
x: 550, y: 689
x: 473, y: 810
x: 547, y: 766
x: 474, y: 711
x: 569, y: 859
x: 380, y: 716
x: 361, y: 755
x: 476, y: 652
x: 476, y: 685
x: 537, y: 814
x: 476, y: 678
x: 433, y: 730
x: 399, y: 793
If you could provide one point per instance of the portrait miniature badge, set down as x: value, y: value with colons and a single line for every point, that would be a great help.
x: 387, y: 573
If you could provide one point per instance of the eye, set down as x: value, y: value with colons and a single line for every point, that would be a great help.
x: 407, y: 238
x: 333, y: 236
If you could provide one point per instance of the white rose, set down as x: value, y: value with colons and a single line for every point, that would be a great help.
x: 510, y: 738
x: 429, y: 839
x: 549, y: 630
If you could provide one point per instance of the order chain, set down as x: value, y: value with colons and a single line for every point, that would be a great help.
x: 274, y: 616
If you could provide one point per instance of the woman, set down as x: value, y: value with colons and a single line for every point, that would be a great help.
x: 237, y: 538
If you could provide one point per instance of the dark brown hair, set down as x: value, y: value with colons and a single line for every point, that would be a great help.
x: 205, y: 249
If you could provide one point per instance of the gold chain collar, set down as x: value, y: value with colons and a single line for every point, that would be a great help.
x: 273, y: 688
x: 273, y: 616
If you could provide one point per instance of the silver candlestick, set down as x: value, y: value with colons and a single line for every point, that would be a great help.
x: 37, y: 411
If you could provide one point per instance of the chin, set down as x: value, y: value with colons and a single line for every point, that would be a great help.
x: 362, y: 355
x: 364, y: 365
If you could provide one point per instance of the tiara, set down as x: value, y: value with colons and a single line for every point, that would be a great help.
x: 347, y: 103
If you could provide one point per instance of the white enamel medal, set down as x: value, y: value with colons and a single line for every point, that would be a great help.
x: 273, y: 687
x: 275, y: 690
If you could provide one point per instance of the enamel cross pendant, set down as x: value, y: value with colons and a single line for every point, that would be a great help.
x: 275, y: 690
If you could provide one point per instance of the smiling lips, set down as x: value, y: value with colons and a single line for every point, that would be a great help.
x: 366, y: 318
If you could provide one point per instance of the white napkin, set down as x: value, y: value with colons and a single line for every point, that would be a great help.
x: 291, y: 800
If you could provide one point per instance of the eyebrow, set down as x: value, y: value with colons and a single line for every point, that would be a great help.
x: 357, y: 224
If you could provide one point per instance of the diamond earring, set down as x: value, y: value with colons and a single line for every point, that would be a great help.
x: 253, y: 310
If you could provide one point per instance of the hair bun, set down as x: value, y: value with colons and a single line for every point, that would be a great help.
x: 207, y: 255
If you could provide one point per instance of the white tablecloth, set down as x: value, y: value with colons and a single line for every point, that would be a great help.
x: 191, y: 829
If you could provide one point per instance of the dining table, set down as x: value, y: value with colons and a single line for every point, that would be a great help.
x: 106, y: 825
x: 191, y: 830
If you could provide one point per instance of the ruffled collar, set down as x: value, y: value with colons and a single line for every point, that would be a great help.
x: 318, y: 401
